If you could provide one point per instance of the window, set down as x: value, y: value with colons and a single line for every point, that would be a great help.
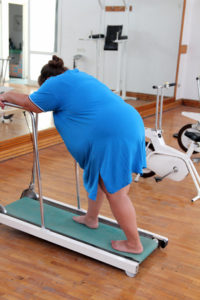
x: 43, y: 34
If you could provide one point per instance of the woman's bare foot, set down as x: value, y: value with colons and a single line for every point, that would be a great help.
x: 89, y: 222
x: 125, y: 246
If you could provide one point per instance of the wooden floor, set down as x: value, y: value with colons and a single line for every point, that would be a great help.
x: 34, y: 269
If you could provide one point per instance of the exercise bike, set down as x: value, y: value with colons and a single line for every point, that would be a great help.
x: 190, y: 131
x: 163, y: 160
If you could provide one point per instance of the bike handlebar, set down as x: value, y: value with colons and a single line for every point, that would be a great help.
x: 166, y: 85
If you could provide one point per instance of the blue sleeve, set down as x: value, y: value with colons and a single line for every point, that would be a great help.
x: 45, y: 97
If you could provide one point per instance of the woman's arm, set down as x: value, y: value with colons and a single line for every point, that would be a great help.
x: 19, y: 99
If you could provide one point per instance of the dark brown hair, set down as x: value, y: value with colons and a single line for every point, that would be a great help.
x: 53, y: 68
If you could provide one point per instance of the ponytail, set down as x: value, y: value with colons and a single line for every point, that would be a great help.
x: 54, y: 67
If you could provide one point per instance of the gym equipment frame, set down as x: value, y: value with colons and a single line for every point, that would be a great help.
x: 51, y: 220
x: 3, y: 89
x: 191, y: 131
x: 111, y: 36
x: 163, y: 160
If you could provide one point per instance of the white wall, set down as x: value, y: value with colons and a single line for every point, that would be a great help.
x: 153, y: 45
x: 154, y: 30
x: 78, y: 19
x: 4, y: 31
x: 190, y: 62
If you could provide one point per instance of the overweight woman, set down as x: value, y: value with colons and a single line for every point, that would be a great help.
x: 104, y: 134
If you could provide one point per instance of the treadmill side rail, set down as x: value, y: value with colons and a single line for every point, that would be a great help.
x: 129, y: 266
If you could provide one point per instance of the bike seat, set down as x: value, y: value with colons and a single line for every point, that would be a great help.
x: 194, y: 136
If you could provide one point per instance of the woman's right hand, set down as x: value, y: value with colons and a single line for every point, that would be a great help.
x: 2, y: 99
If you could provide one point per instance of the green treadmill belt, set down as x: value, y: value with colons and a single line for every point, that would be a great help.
x: 60, y: 221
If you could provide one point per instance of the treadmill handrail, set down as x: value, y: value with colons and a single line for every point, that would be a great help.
x: 14, y: 105
x: 37, y: 163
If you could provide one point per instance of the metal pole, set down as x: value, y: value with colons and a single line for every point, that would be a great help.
x: 4, y: 76
x: 37, y: 165
x: 125, y: 48
x: 102, y: 4
x: 99, y: 50
x: 198, y: 86
x: 77, y: 184
x: 119, y: 64
x: 2, y: 68
x: 157, y: 106
x: 125, y: 3
x: 161, y: 108
x: 124, y: 68
x: 32, y: 184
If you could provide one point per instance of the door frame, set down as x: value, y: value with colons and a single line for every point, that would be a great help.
x: 5, y: 32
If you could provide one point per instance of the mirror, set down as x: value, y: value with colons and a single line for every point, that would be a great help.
x: 153, y: 29
x: 152, y: 48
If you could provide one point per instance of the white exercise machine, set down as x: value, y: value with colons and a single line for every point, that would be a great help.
x: 6, y: 115
x: 52, y: 221
x: 163, y: 160
x: 191, y: 130
x: 112, y: 38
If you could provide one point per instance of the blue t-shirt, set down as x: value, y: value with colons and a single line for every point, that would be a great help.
x: 103, y: 133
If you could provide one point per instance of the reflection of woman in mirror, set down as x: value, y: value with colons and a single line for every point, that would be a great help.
x: 104, y: 134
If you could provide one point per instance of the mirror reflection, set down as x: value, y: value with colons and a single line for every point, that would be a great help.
x: 147, y: 46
